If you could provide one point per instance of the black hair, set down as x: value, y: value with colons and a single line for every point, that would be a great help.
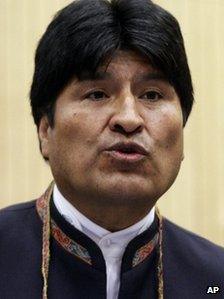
x: 87, y: 32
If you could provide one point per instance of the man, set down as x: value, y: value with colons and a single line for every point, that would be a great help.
x: 110, y: 96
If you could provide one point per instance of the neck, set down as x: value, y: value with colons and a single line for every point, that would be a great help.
x: 111, y: 217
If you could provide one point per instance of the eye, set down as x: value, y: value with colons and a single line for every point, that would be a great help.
x: 96, y: 95
x: 152, y: 96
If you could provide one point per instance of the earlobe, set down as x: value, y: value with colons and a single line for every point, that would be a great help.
x: 43, y: 134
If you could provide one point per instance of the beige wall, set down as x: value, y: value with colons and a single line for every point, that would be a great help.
x: 196, y: 199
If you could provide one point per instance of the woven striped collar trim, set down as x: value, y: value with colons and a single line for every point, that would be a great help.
x: 67, y: 243
x: 142, y: 253
x: 78, y: 250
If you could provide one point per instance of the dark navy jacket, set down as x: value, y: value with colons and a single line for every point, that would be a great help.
x: 191, y: 264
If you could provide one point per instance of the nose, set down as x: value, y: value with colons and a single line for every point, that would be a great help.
x: 126, y: 118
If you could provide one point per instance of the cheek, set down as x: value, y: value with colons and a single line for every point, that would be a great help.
x: 75, y: 128
x: 173, y: 137
x: 76, y: 137
x: 168, y: 131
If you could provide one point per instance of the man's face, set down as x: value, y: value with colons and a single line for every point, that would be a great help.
x: 128, y: 102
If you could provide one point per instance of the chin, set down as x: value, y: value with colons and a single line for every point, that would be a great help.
x: 128, y: 192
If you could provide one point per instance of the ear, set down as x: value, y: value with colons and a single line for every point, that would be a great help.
x: 44, y: 133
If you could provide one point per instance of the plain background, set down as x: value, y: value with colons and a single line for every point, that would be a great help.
x: 196, y: 199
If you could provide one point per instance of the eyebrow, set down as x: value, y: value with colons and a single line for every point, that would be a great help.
x: 100, y: 75
x: 97, y: 76
x: 151, y: 76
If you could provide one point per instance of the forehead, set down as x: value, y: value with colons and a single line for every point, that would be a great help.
x: 128, y: 58
x: 126, y: 65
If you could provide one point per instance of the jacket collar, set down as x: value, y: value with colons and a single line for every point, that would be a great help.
x: 78, y: 244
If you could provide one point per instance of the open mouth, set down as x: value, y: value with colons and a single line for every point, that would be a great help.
x: 127, y: 152
x: 126, y: 155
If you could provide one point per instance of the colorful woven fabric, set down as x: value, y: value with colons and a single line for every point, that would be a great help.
x: 143, y: 252
x: 78, y: 250
x: 66, y: 242
x: 70, y: 245
x: 50, y: 227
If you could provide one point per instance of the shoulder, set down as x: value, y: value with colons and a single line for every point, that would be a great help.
x: 192, y: 251
x: 20, y: 231
x: 186, y: 237
x: 17, y: 215
x: 18, y: 207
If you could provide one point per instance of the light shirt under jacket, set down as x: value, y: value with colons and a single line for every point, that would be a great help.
x: 111, y: 244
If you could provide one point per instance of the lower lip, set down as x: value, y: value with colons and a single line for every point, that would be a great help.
x: 132, y: 157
